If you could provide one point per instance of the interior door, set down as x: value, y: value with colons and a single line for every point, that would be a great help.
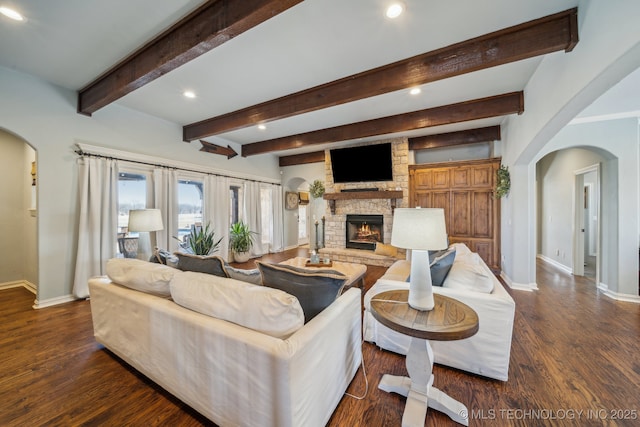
x: 303, y: 225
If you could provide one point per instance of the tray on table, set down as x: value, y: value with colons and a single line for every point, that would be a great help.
x: 318, y: 264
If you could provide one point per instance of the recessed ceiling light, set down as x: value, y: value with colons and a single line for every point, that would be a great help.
x: 415, y: 91
x: 262, y: 127
x: 10, y: 13
x: 189, y: 94
x: 395, y: 9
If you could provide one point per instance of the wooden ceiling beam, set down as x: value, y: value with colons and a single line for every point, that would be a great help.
x: 302, y: 159
x: 209, y: 26
x: 541, y: 36
x: 469, y: 136
x: 494, y: 106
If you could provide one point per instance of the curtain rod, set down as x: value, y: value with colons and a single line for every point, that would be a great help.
x: 82, y: 153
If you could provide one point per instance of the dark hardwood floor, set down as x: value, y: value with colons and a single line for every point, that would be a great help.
x: 574, y: 361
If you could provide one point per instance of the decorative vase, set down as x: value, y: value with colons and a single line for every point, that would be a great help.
x: 241, y: 256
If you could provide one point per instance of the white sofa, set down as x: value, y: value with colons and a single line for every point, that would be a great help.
x: 486, y: 353
x: 233, y: 375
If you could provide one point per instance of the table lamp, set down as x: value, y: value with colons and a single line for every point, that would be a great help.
x: 421, y: 230
x: 145, y: 221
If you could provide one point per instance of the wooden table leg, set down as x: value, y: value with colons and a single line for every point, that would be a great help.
x: 418, y: 388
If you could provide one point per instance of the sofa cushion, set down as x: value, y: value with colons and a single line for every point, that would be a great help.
x: 162, y: 256
x: 260, y: 308
x: 249, y: 276
x: 141, y: 275
x: 211, y: 264
x: 469, y: 276
x: 314, y: 290
x: 440, y: 264
x: 461, y: 248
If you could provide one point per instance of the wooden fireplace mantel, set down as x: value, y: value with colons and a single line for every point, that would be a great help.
x: 358, y: 195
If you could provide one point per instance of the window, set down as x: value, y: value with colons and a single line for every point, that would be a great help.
x: 234, y: 205
x: 189, y: 206
x: 132, y: 194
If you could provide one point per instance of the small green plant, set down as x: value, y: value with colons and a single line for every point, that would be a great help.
x: 240, y: 237
x: 316, y: 189
x: 200, y: 241
x: 503, y: 181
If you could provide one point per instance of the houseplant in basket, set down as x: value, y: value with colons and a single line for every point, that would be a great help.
x: 240, y: 241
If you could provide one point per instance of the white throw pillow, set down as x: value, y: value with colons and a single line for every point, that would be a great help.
x: 141, y: 275
x: 267, y: 310
x: 461, y: 248
x: 468, y: 258
x: 470, y: 277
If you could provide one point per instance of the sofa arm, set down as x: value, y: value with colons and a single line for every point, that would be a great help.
x: 326, y: 354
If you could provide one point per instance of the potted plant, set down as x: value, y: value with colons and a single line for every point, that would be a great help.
x: 200, y: 241
x: 240, y: 241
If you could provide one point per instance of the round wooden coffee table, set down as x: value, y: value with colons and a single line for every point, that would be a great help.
x: 449, y: 320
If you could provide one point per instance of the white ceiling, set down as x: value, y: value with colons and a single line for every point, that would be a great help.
x: 72, y: 42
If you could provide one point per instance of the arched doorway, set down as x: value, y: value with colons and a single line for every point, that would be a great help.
x: 18, y: 215
x: 577, y: 211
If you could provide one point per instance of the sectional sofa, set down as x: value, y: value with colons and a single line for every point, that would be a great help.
x: 239, y: 353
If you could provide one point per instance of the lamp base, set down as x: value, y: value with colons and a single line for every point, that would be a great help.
x: 420, y: 287
x: 144, y: 246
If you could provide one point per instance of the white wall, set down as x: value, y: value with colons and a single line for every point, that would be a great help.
x: 30, y: 222
x: 298, y: 178
x: 556, y: 187
x: 18, y: 260
x: 45, y: 116
x: 455, y: 153
x: 617, y: 141
x: 562, y: 86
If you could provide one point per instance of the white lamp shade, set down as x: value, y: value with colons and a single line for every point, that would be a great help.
x: 145, y: 220
x: 419, y: 228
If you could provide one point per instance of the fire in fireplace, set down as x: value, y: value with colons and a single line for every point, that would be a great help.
x: 363, y: 231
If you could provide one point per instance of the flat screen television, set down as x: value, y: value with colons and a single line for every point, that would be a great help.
x: 362, y: 163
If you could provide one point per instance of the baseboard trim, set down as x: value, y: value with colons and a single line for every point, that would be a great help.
x: 555, y: 263
x: 20, y: 283
x: 529, y: 287
x: 53, y: 301
x: 617, y: 296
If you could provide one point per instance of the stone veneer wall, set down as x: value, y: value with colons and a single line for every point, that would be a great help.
x: 335, y: 244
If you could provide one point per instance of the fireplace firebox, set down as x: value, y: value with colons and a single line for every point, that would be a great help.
x: 364, y: 231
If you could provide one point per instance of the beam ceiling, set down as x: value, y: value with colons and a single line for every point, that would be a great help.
x: 494, y: 106
x: 463, y: 137
x: 469, y: 136
x: 538, y: 37
x: 301, y: 159
x: 209, y: 26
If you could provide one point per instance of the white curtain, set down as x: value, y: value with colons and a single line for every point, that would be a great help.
x: 98, y: 220
x: 277, y: 234
x: 165, y: 198
x: 253, y: 215
x: 216, y: 210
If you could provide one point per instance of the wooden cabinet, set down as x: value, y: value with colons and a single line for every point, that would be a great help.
x: 465, y: 191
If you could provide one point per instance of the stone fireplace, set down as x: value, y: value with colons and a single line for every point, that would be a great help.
x: 354, y: 203
x: 364, y: 231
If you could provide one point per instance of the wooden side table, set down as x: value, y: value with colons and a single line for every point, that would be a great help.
x: 449, y: 320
